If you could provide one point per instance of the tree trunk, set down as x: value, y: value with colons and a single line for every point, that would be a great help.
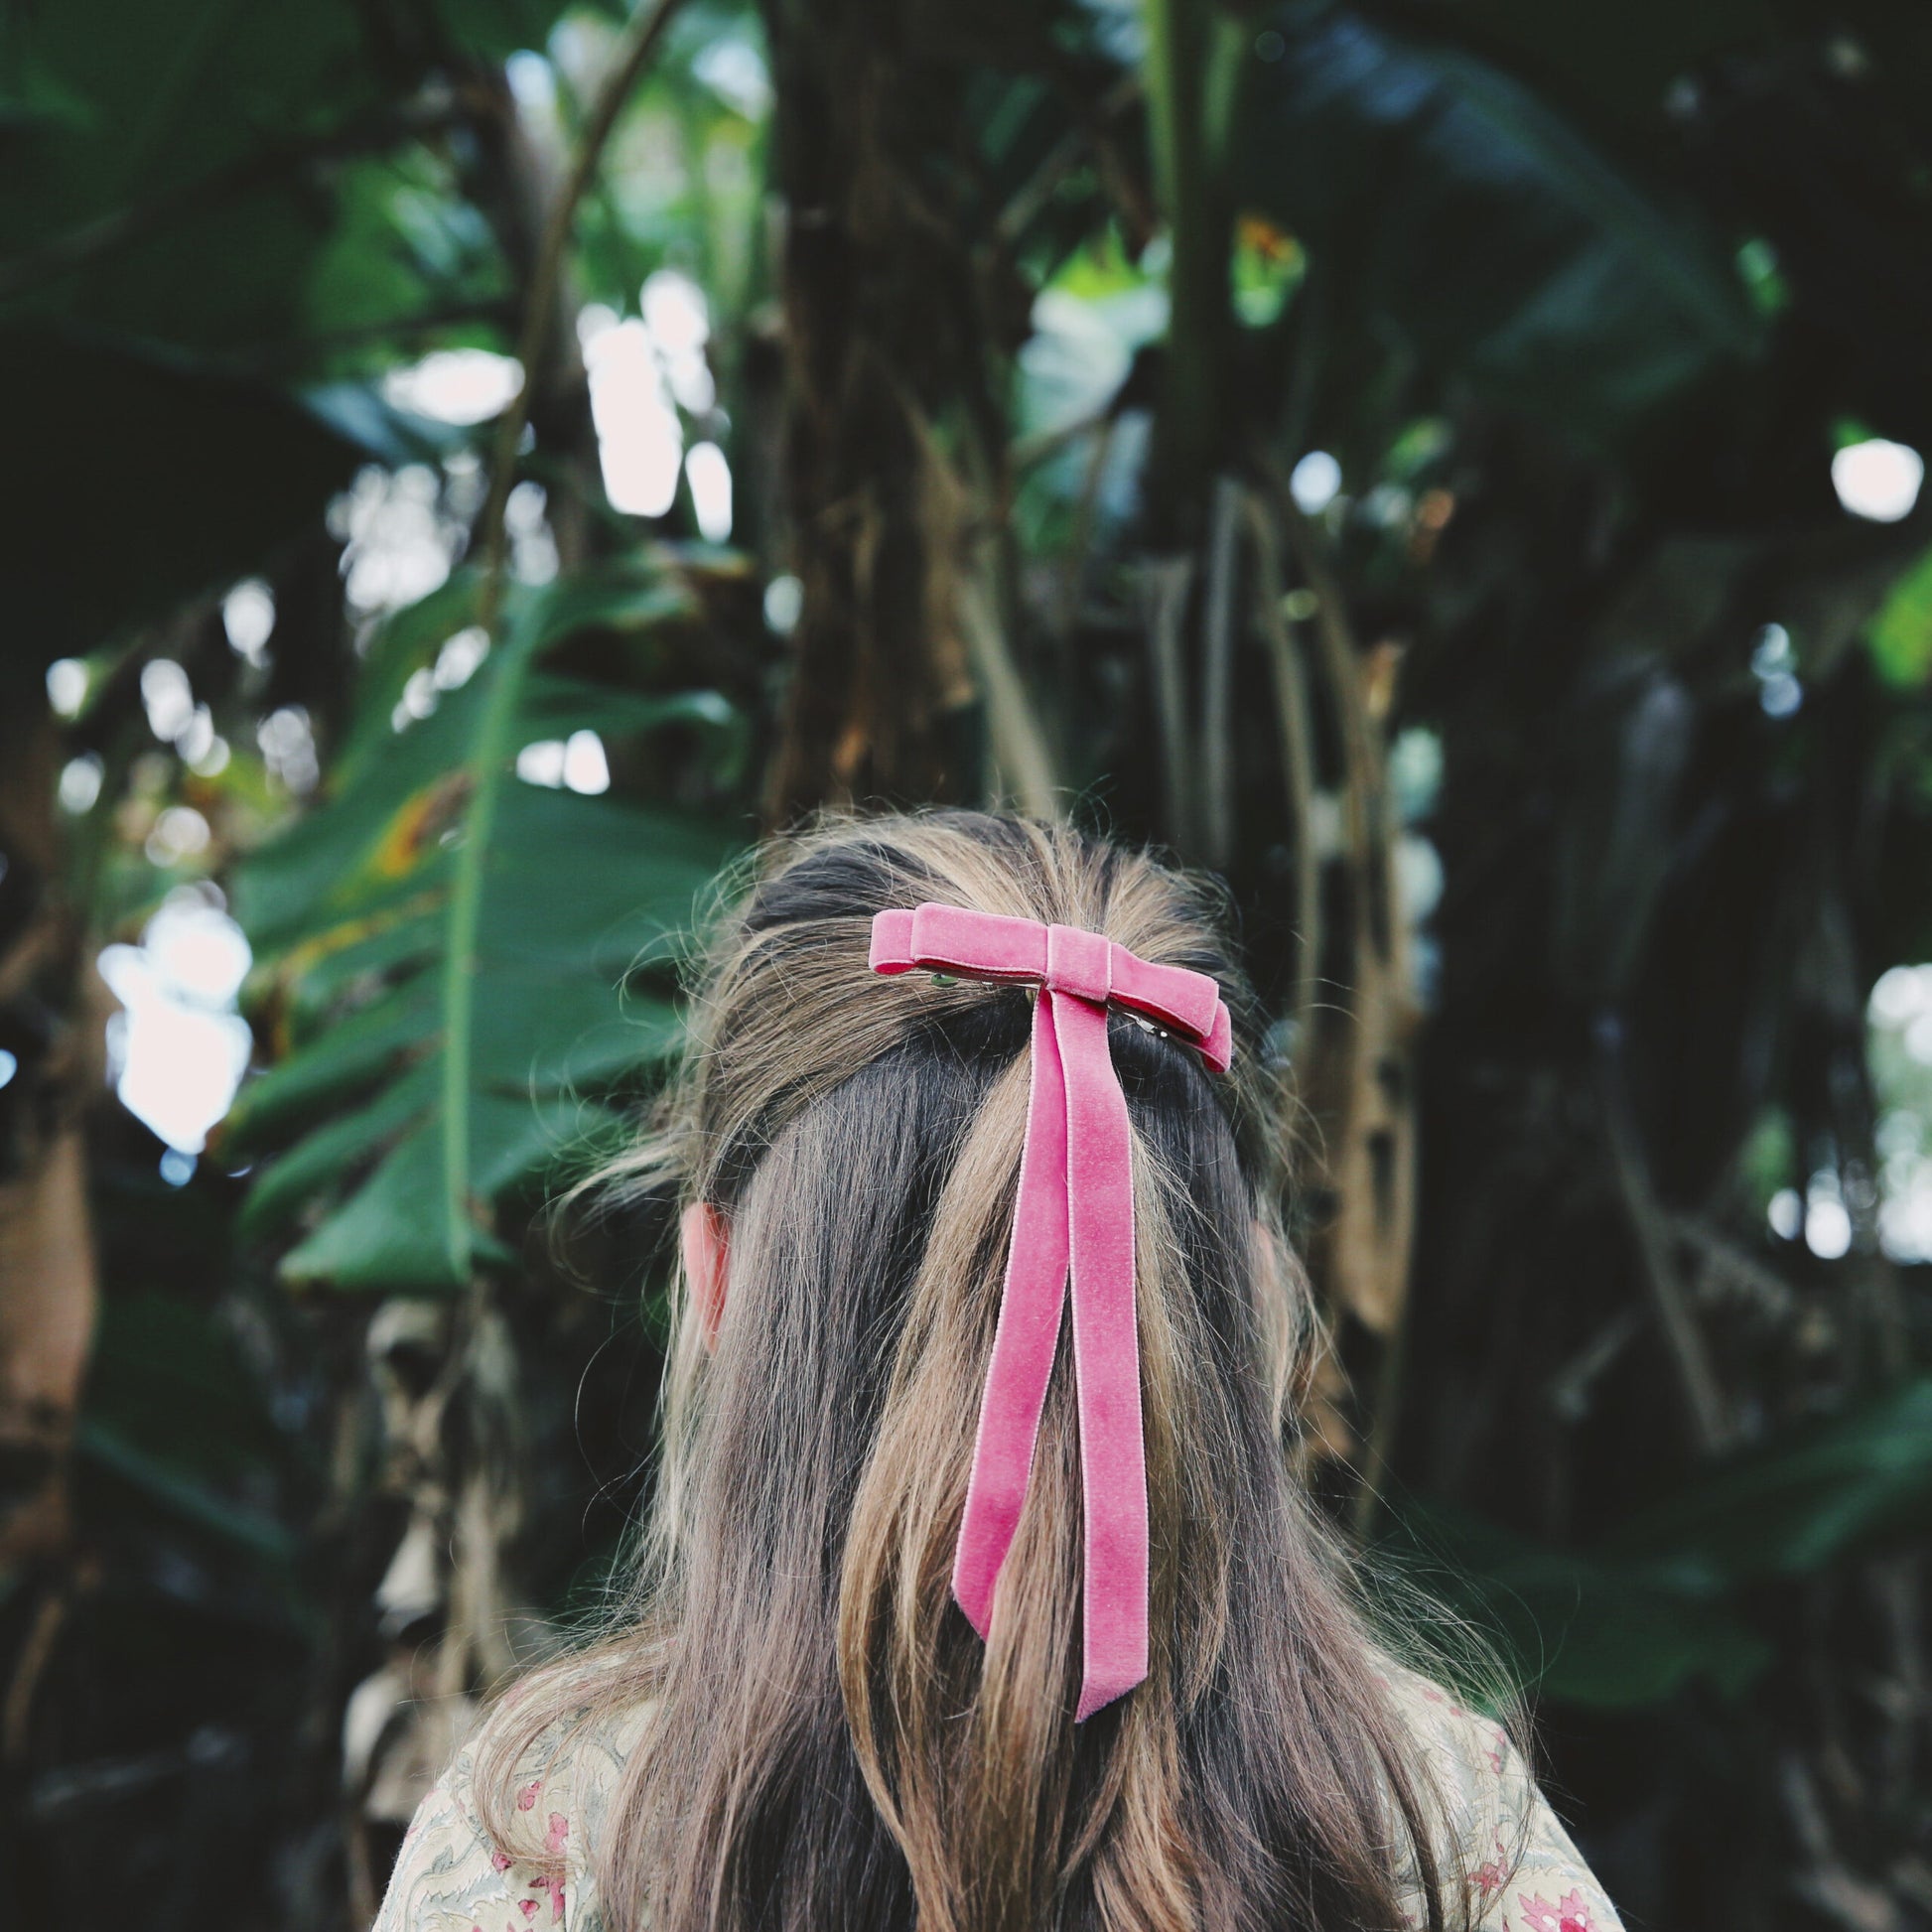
x: 48, y: 1289
x: 880, y: 338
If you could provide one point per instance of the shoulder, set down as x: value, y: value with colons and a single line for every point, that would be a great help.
x: 451, y: 1876
x: 1505, y: 1845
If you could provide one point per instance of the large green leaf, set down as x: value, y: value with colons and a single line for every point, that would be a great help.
x: 1796, y: 1504
x: 1627, y: 56
x: 344, y: 1143
x: 362, y: 1049
x: 167, y: 104
x: 1578, y: 1629
x: 205, y: 138
x: 166, y: 1375
x: 448, y: 948
x: 161, y: 1481
x: 172, y: 1409
x: 369, y: 858
x: 1455, y: 210
x: 179, y: 177
x: 387, y: 1235
x: 1660, y: 1602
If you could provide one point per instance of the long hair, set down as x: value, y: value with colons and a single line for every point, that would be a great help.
x: 821, y: 1741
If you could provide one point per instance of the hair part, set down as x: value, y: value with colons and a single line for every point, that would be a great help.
x: 826, y: 1741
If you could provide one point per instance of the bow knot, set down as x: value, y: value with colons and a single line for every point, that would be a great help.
x: 1074, y: 1216
x: 1078, y: 963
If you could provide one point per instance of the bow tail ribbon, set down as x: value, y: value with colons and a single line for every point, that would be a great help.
x: 1074, y: 1215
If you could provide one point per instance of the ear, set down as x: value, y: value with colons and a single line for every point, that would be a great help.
x: 705, y: 1236
x: 1267, y: 1247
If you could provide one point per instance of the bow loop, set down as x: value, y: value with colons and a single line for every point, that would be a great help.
x: 1074, y: 1216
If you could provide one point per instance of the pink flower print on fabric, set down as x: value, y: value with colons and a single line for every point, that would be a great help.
x: 526, y: 1799
x: 1570, y: 1913
x: 1491, y: 1876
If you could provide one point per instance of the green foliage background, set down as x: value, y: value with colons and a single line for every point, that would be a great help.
x: 1570, y: 762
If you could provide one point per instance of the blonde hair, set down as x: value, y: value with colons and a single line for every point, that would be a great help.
x: 828, y: 1743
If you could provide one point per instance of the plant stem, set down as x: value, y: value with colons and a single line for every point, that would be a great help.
x: 1024, y: 764
x: 1197, y: 272
x: 639, y: 40
x: 489, y: 756
x: 1220, y: 627
x: 1704, y: 1399
x: 1297, y: 726
x: 488, y: 768
x: 1167, y: 584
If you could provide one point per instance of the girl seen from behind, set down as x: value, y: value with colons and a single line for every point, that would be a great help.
x: 974, y: 1597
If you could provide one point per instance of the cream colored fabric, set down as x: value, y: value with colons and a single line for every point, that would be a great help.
x: 1522, y: 1873
x: 1521, y: 1870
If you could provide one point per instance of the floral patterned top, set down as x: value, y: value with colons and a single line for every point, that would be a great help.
x: 1523, y: 1873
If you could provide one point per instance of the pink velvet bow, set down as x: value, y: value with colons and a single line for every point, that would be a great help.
x: 1075, y: 1209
